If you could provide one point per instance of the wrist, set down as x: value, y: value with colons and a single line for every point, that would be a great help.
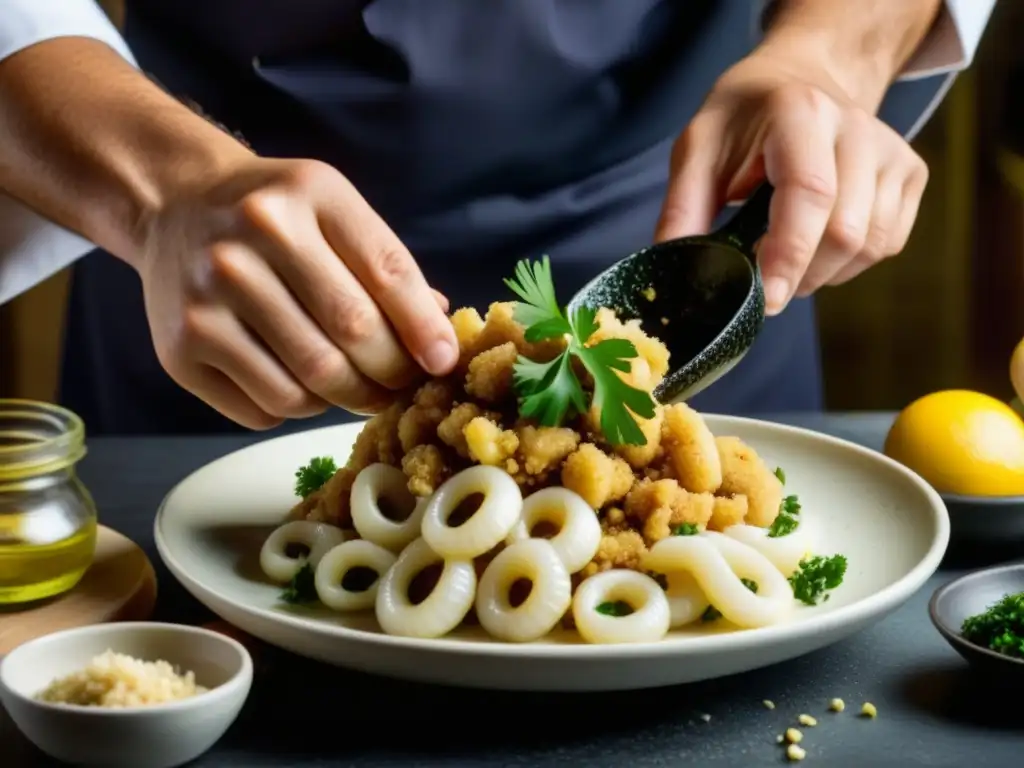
x: 862, y: 47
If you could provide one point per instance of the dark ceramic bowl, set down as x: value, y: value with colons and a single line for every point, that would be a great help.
x: 984, y: 519
x: 968, y: 596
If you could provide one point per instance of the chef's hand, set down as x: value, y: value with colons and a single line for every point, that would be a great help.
x: 275, y: 290
x: 847, y: 187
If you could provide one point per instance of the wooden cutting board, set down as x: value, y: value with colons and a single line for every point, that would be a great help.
x: 120, y: 586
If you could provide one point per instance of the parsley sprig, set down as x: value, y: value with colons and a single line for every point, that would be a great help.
x: 788, y: 519
x: 551, y: 392
x: 312, y: 477
x: 1000, y: 628
x: 302, y: 588
x: 816, y: 577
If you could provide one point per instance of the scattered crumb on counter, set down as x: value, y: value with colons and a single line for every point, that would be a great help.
x: 837, y: 705
x: 807, y: 720
x: 649, y: 293
x: 869, y: 710
x: 664, y: 321
x: 793, y: 736
x: 795, y: 753
x: 706, y: 718
x: 114, y: 680
x: 768, y: 704
x: 779, y: 739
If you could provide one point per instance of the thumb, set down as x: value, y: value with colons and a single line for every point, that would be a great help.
x: 691, y: 201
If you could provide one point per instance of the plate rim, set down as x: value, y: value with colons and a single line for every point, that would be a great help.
x: 878, y: 604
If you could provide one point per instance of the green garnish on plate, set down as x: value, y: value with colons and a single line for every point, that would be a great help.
x: 787, y: 520
x: 302, y: 588
x: 711, y: 613
x: 685, y: 529
x: 551, y: 392
x: 617, y: 608
x: 312, y: 477
x: 816, y: 577
x: 1000, y: 628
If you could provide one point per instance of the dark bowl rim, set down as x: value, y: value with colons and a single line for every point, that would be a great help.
x: 991, y: 501
x: 953, y: 636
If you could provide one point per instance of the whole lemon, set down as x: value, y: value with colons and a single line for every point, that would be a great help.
x: 961, y: 442
x: 1017, y: 370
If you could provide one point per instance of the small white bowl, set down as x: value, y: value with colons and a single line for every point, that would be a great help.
x: 157, y: 736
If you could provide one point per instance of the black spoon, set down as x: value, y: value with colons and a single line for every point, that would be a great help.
x: 702, y: 296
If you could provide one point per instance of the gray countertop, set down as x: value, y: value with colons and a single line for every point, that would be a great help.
x: 931, y: 710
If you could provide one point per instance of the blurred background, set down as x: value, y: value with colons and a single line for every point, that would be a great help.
x: 947, y: 313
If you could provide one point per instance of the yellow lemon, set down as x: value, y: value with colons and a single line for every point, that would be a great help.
x: 961, y: 442
x: 1017, y: 371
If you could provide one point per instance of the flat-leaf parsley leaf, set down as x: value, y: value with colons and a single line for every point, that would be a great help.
x: 312, y: 476
x: 551, y: 392
x: 787, y: 520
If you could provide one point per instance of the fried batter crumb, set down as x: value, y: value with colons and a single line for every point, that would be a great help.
x: 542, y: 449
x: 426, y: 469
x: 490, y: 373
x: 691, y: 449
x: 743, y: 472
x: 599, y: 478
x: 452, y: 427
x: 727, y: 511
x: 489, y: 444
x: 662, y: 505
x: 418, y: 424
x: 621, y: 549
x: 641, y: 456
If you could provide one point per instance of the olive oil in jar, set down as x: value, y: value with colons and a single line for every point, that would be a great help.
x: 47, y: 517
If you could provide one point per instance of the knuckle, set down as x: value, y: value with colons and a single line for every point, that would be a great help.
x: 195, y: 328
x: 390, y: 268
x: 356, y: 322
x: 292, y: 401
x: 802, y: 97
x: 224, y: 261
x: 322, y: 370
x: 259, y: 209
x: 846, y: 235
x: 307, y: 174
x: 876, y: 245
x: 816, y: 186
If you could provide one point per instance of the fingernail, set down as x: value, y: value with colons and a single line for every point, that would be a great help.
x: 439, y: 357
x: 776, y: 294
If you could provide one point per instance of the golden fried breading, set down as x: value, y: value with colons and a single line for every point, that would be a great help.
x: 640, y: 456
x: 618, y: 549
x: 500, y: 327
x: 691, y: 449
x: 650, y: 349
x: 426, y: 468
x: 488, y: 443
x: 743, y: 472
x: 662, y: 505
x: 728, y: 510
x: 468, y: 326
x: 419, y: 422
x: 542, y: 449
x: 490, y: 373
x: 451, y: 428
x: 599, y: 478
x: 333, y: 500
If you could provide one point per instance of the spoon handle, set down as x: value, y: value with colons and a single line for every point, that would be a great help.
x: 750, y: 222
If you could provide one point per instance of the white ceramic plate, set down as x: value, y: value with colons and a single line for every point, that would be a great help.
x: 890, y: 524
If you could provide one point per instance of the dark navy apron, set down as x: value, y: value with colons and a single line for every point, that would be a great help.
x: 482, y: 132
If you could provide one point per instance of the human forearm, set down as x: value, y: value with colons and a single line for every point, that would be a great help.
x: 92, y: 144
x: 863, y: 45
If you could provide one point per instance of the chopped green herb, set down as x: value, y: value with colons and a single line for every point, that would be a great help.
x: 551, y: 392
x: 787, y: 520
x: 312, y: 476
x: 617, y: 608
x: 302, y: 587
x: 816, y: 576
x: 1000, y: 628
x: 712, y: 613
x: 686, y: 529
x: 779, y: 473
x: 782, y: 525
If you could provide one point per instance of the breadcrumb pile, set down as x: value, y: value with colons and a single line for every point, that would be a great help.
x: 683, y: 475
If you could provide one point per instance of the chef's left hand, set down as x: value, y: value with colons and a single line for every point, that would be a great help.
x: 847, y: 187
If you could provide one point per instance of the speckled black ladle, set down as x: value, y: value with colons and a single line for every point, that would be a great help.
x: 702, y: 296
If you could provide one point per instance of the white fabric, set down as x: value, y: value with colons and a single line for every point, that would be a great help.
x: 32, y: 248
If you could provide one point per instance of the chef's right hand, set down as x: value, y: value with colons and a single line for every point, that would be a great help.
x: 276, y: 291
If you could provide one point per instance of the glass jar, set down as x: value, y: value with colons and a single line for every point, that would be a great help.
x: 47, y: 517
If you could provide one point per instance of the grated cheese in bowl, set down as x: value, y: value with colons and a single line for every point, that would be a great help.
x: 115, y: 680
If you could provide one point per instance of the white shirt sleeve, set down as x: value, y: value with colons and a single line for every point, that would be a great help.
x: 31, y: 247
